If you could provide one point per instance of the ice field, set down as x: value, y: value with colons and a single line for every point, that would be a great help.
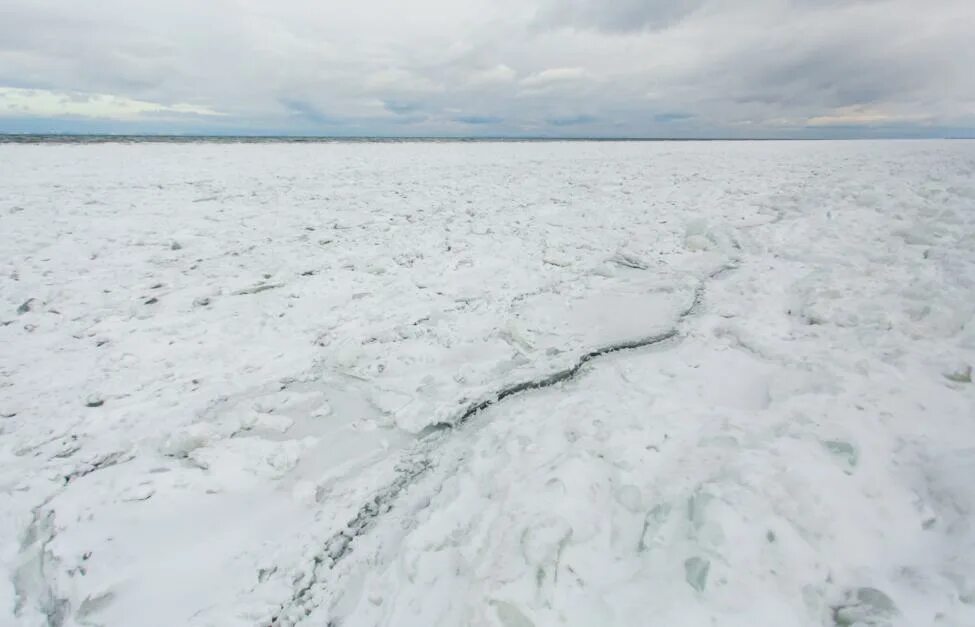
x: 490, y: 384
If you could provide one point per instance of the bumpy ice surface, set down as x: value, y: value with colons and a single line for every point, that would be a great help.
x: 488, y: 384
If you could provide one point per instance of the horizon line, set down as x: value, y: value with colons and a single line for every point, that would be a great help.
x: 67, y: 137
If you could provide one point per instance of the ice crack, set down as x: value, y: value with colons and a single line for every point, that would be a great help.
x: 340, y: 544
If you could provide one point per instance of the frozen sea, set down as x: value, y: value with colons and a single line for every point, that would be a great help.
x: 513, y: 384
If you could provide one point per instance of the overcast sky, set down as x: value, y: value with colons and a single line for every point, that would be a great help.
x: 645, y: 68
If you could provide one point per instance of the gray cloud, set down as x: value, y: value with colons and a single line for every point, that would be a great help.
x: 698, y: 67
x: 305, y: 111
x: 478, y: 119
x: 619, y: 16
x: 672, y: 117
x: 869, y: 55
x: 401, y: 108
x: 574, y: 120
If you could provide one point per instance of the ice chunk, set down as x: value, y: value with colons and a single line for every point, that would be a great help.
x: 844, y: 451
x: 696, y: 572
x: 510, y: 615
x: 652, y: 523
x: 963, y: 374
x: 697, y: 236
x: 866, y: 606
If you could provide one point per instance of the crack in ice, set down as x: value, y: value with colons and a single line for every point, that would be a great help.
x: 339, y: 545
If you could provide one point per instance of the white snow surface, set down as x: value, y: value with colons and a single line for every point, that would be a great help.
x: 236, y: 383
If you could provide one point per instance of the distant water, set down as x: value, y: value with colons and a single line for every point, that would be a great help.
x: 266, y: 139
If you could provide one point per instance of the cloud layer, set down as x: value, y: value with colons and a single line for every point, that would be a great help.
x: 674, y: 68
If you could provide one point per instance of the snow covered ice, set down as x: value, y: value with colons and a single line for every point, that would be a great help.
x: 491, y: 384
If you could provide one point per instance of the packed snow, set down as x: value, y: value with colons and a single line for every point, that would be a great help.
x: 491, y: 384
